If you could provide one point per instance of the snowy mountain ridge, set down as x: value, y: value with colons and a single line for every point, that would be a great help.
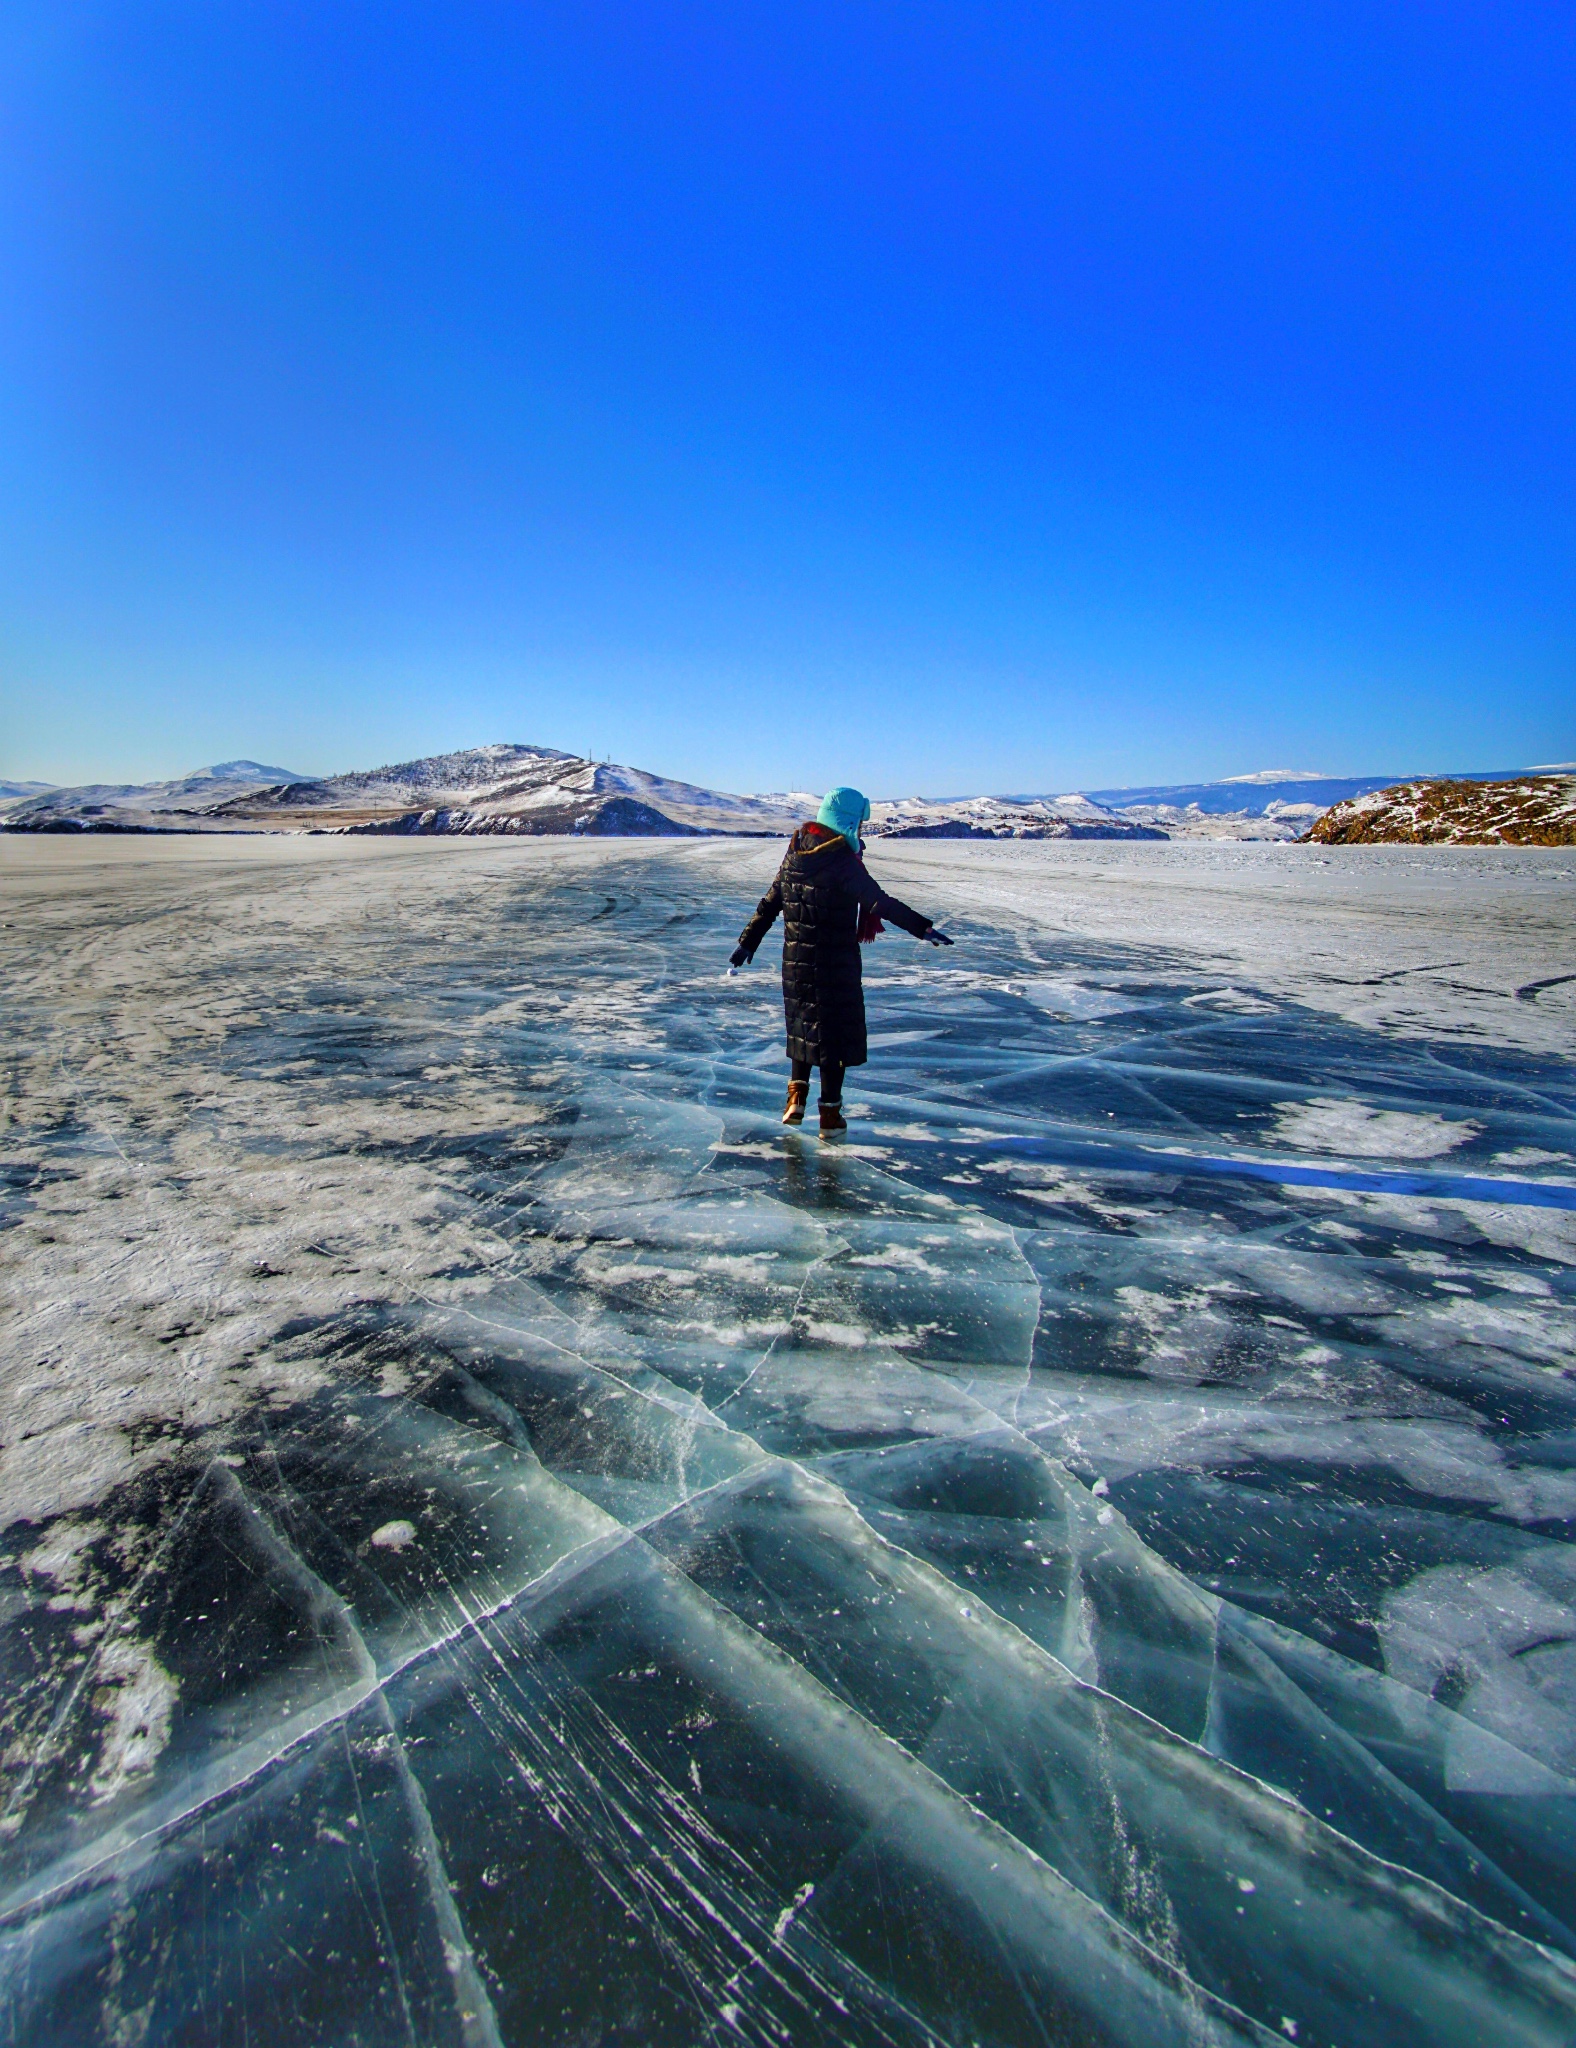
x: 245, y: 771
x: 507, y: 788
x: 520, y: 790
x: 1270, y: 803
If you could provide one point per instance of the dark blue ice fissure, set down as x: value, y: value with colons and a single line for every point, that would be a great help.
x: 1453, y: 1187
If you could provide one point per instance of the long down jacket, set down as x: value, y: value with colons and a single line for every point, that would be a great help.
x: 825, y: 893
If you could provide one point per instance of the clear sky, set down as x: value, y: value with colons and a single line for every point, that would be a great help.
x: 938, y: 397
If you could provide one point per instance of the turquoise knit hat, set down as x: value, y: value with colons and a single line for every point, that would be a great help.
x: 844, y: 810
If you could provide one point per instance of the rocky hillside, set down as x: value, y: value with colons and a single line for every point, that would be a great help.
x: 1523, y: 810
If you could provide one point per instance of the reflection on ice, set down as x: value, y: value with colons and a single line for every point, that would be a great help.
x: 517, y: 1547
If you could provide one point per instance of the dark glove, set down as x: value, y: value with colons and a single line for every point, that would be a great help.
x: 937, y: 938
x: 739, y: 958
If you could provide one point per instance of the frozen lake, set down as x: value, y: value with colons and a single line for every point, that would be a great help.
x: 506, y: 1544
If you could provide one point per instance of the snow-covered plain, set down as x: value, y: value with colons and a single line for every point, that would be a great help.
x: 507, y: 1544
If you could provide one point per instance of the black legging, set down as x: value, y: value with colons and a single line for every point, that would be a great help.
x: 831, y: 1077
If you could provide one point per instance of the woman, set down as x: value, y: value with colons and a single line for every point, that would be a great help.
x: 830, y: 906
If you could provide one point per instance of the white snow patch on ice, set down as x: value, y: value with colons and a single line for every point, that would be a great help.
x: 137, y: 1697
x: 1352, y: 1129
x: 1066, y: 998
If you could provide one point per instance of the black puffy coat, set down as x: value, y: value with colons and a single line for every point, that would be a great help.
x: 825, y: 892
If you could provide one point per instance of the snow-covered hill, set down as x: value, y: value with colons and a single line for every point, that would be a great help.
x: 247, y: 771
x: 182, y: 804
x: 506, y: 789
x: 994, y: 817
x: 520, y: 790
x: 512, y: 789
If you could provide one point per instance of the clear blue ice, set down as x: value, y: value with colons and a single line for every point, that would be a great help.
x: 1004, y: 1579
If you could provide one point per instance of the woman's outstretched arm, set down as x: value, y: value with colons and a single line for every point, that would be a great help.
x: 761, y: 923
x: 873, y: 897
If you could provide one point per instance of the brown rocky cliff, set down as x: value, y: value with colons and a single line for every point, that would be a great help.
x: 1526, y: 810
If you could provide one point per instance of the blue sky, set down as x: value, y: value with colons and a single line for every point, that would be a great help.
x: 933, y: 397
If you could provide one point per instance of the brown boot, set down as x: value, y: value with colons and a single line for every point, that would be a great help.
x: 798, y: 1096
x: 833, y: 1122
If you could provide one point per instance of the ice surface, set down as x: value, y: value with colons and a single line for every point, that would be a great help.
x: 506, y: 1544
